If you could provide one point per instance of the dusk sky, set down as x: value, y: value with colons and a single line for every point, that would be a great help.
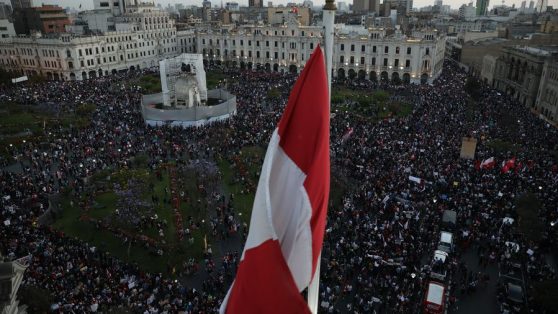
x: 88, y: 4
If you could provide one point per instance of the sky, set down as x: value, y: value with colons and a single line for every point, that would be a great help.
x: 88, y: 4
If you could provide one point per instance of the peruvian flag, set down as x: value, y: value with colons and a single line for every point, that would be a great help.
x: 488, y: 163
x: 289, y: 213
x: 506, y: 166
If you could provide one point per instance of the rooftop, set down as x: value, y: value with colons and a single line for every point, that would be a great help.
x: 542, y: 51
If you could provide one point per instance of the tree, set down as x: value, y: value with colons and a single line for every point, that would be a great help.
x: 472, y: 87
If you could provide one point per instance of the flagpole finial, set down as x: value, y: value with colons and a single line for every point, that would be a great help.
x: 330, y: 5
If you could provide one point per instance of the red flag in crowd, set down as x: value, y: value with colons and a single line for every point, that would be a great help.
x: 289, y: 213
x: 507, y: 165
x: 488, y: 163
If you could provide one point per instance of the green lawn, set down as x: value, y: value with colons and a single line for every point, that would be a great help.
x: 369, y: 105
x: 151, y: 84
x: 213, y: 78
x: 500, y: 146
x: 395, y: 109
x: 243, y: 200
x: 105, y: 204
x: 20, y: 123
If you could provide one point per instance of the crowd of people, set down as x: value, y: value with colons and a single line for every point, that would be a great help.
x: 380, y: 229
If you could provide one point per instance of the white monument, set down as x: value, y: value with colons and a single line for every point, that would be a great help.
x: 11, y: 276
x: 184, y: 97
x: 183, y: 81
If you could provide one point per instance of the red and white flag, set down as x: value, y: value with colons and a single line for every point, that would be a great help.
x: 289, y: 213
x: 488, y: 163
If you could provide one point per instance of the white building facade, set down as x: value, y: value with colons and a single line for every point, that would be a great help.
x: 358, y: 52
x: 144, y: 36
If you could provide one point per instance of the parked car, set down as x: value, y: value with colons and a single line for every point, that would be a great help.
x: 446, y: 242
x: 449, y: 220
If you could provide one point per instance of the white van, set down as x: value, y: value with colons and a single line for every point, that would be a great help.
x: 446, y: 242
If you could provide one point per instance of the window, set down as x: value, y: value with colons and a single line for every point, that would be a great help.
x: 341, y: 59
x: 352, y: 60
x: 362, y: 60
x: 386, y: 49
x: 80, y: 53
x: 276, y: 55
x: 407, y: 63
x: 311, y: 45
x: 408, y: 50
x: 373, y: 61
x: 257, y: 54
x: 396, y: 50
x: 257, y: 43
x: 342, y: 47
x: 374, y: 49
x: 267, y: 54
x: 385, y: 62
x: 267, y: 43
x: 352, y: 47
x: 427, y: 51
x: 242, y: 42
x: 363, y: 48
x: 396, y: 62
x: 276, y: 44
x: 249, y: 43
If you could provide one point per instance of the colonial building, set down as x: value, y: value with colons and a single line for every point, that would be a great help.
x: 518, y: 72
x: 547, y: 97
x: 142, y: 37
x: 358, y: 52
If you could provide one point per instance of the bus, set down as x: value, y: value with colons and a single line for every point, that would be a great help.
x: 434, y: 302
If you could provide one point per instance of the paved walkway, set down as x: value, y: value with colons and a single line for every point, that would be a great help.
x: 483, y: 300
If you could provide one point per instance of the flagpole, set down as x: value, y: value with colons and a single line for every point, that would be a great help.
x: 314, y: 289
x: 328, y: 21
x: 329, y: 25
